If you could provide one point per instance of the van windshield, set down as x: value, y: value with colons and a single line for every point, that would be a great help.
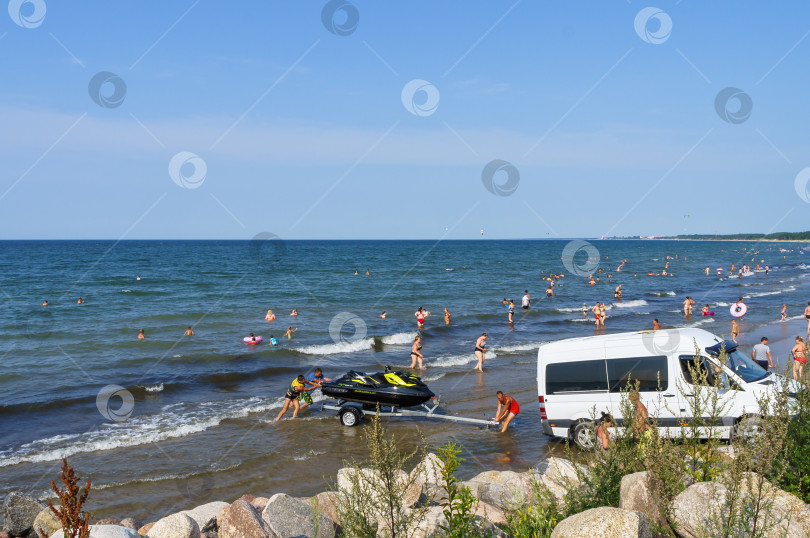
x: 745, y: 367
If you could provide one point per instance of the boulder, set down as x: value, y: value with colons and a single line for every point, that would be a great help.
x: 502, y: 489
x: 696, y: 509
x: 258, y: 502
x: 559, y: 475
x: 46, y: 523
x: 177, y: 525
x: 290, y: 517
x: 490, y: 513
x: 19, y: 512
x: 144, y: 531
x: 131, y: 523
x: 326, y: 504
x: 369, y: 481
x: 104, y: 531
x: 431, y: 525
x: 604, y: 521
x: 786, y: 515
x: 242, y: 520
x: 205, y: 515
x: 635, y: 495
x: 428, y: 474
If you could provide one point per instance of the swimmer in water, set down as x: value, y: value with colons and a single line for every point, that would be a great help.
x: 382, y: 316
x: 273, y: 341
x: 656, y: 325
x: 188, y: 332
x: 584, y: 311
x: 294, y: 312
x: 45, y: 303
x: 80, y: 301
x: 526, y: 301
x: 446, y: 317
x: 141, y: 334
x: 416, y: 353
x: 368, y: 273
x: 420, y: 315
x: 270, y: 316
x: 617, y: 293
x: 356, y: 273
x: 138, y: 278
x: 480, y: 351
x: 289, y: 332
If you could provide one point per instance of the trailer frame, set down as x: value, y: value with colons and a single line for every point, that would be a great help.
x: 351, y: 413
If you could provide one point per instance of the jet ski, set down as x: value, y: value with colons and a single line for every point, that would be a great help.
x: 402, y: 389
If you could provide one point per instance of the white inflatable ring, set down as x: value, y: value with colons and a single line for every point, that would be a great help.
x: 738, y: 310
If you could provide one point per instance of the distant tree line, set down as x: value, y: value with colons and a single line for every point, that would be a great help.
x: 778, y: 236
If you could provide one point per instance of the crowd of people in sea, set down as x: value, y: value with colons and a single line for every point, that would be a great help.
x: 297, y: 395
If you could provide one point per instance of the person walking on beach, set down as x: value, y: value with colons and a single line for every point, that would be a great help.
x: 762, y: 354
x: 480, y: 351
x: 416, y: 353
x: 289, y: 332
x: 526, y: 301
x: 189, y: 332
x: 735, y: 330
x: 806, y: 315
x: 141, y: 334
x: 511, y: 311
x: 508, y: 409
x: 446, y: 316
x: 656, y: 325
x: 799, y: 358
x: 297, y: 387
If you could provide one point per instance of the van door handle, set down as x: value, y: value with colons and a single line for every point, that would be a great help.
x: 669, y: 395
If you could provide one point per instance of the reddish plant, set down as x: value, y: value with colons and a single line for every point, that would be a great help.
x: 75, y: 522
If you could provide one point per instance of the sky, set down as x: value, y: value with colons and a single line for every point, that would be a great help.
x: 402, y: 120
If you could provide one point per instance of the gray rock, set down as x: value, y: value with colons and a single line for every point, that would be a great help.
x: 428, y: 474
x: 46, y: 523
x: 635, y: 495
x: 206, y: 515
x: 326, y: 503
x: 430, y: 526
x: 289, y: 517
x: 241, y: 520
x: 502, y: 489
x: 19, y: 512
x: 697, y: 509
x: 106, y: 521
x: 606, y: 522
x: 559, y: 476
x: 131, y: 523
x: 178, y: 525
x: 368, y: 481
x: 105, y: 531
x: 784, y: 514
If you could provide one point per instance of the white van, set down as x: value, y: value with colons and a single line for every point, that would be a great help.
x: 579, y: 378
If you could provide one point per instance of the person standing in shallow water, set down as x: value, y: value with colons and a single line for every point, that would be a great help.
x: 508, y: 409
x: 526, y: 301
x: 416, y: 353
x: 511, y: 311
x: 480, y: 351
x: 446, y: 317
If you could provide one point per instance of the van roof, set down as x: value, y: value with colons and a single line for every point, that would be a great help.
x: 664, y: 339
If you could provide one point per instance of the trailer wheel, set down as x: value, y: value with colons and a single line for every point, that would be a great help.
x: 350, y: 416
x: 584, y: 435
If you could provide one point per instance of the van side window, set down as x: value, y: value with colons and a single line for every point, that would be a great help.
x: 650, y: 372
x: 688, y: 365
x: 579, y: 376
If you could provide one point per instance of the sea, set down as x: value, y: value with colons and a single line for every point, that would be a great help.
x: 172, y: 421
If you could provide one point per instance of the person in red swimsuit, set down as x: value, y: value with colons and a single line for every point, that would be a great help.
x: 508, y: 409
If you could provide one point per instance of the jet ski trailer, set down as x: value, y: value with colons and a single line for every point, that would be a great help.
x: 351, y: 413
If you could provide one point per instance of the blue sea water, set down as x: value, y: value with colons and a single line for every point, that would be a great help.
x: 200, y: 425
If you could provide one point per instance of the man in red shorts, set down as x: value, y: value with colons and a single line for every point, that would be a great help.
x: 508, y: 408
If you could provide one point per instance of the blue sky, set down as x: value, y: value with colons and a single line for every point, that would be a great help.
x: 305, y: 133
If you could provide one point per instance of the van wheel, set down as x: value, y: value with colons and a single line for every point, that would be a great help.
x: 746, y: 429
x: 349, y: 416
x: 584, y: 435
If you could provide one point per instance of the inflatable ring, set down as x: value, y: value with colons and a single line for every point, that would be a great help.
x: 251, y: 342
x: 738, y: 310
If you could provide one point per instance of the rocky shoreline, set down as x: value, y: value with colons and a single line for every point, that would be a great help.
x: 497, y: 493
